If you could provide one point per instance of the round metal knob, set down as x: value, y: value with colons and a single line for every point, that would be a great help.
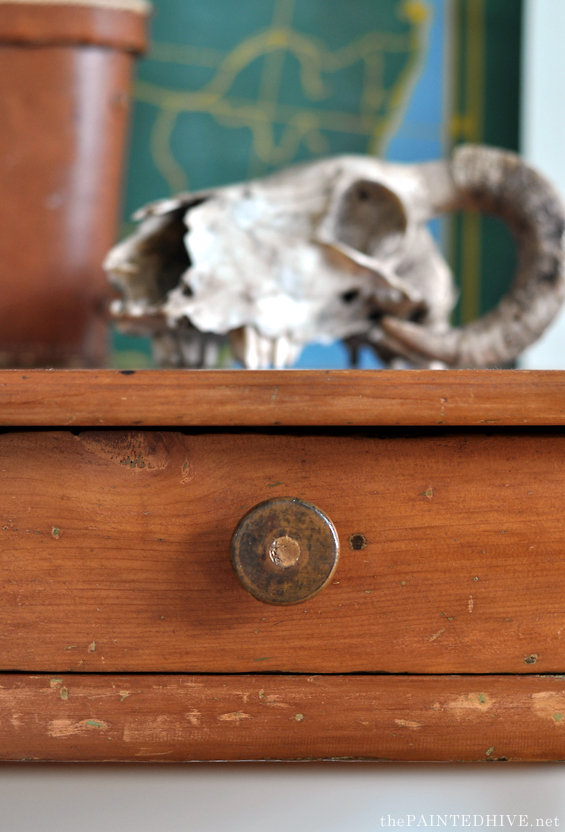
x: 284, y: 550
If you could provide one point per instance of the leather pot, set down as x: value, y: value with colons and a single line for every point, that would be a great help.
x: 65, y: 74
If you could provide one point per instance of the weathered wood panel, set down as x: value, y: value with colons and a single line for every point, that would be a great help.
x: 114, y: 553
x: 220, y: 398
x: 176, y: 718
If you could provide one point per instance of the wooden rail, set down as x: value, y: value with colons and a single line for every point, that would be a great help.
x: 186, y: 718
x: 170, y: 398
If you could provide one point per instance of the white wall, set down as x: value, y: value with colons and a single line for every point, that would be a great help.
x: 334, y: 797
x: 543, y: 133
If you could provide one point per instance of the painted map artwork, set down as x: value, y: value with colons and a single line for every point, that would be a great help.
x: 231, y: 91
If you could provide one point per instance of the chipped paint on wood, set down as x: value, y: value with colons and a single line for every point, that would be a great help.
x: 461, y: 705
x: 173, y: 719
x: 274, y: 700
x: 161, y: 729
x: 408, y: 723
x: 132, y: 450
x: 187, y: 472
x: 549, y: 705
x: 61, y: 728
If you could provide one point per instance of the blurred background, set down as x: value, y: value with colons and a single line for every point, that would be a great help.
x: 224, y: 92
x: 233, y: 91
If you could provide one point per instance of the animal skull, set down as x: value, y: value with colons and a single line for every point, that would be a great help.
x: 338, y: 249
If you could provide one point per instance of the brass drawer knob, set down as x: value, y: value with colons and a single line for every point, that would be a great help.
x: 284, y: 551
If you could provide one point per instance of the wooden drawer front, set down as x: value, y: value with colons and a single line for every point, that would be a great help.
x: 115, y: 553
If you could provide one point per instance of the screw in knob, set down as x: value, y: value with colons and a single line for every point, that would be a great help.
x: 284, y: 551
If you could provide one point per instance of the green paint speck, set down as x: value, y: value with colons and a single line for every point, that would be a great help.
x: 134, y: 463
x: 92, y: 647
x: 273, y: 484
x: 64, y: 693
x: 482, y: 698
x: 264, y: 659
x: 489, y: 751
x: 93, y: 723
x: 299, y: 717
x: 55, y: 531
x: 558, y: 717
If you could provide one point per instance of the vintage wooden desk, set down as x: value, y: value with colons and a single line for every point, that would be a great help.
x: 126, y: 635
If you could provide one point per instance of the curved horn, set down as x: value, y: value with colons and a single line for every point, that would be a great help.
x: 500, y: 183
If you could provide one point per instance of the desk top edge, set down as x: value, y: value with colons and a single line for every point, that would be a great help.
x: 278, y: 398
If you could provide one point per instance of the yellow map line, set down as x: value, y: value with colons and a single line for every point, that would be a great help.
x: 270, y: 86
x: 380, y: 107
x: 241, y: 110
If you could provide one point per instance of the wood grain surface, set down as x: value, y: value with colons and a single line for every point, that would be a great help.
x: 271, y: 398
x: 177, y: 718
x: 114, y: 552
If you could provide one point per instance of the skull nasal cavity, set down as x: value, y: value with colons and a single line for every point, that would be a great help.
x: 370, y: 219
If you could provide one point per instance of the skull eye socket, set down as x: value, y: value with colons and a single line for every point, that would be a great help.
x: 350, y: 296
x: 371, y: 219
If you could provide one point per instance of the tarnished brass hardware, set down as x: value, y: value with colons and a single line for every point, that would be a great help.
x: 284, y: 551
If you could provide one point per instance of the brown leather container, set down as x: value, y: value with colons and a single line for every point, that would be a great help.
x: 65, y: 74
